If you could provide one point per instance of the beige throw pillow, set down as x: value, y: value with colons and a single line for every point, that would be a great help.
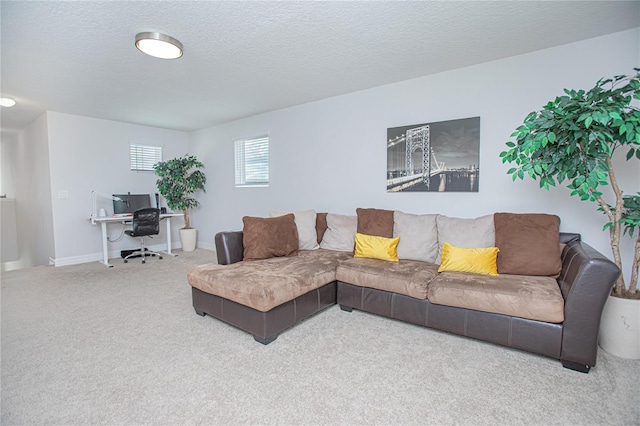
x: 418, y: 236
x: 340, y: 233
x: 306, y: 225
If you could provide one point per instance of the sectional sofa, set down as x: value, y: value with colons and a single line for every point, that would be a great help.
x: 509, y: 279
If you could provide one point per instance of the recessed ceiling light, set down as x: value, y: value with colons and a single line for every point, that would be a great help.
x: 7, y: 102
x: 159, y: 45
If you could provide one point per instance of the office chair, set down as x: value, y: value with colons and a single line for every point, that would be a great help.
x: 146, y: 222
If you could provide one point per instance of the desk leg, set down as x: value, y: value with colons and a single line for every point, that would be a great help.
x: 105, y: 249
x: 169, y: 238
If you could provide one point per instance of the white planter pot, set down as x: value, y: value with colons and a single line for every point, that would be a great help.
x: 188, y: 239
x: 620, y: 327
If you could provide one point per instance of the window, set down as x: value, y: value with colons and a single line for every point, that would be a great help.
x: 143, y: 157
x: 252, y: 161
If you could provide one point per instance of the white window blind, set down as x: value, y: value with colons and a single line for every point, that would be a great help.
x: 143, y: 157
x: 252, y: 161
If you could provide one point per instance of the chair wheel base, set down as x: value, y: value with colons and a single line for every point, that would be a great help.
x: 144, y: 257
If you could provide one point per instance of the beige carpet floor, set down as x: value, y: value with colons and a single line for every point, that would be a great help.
x: 85, y: 345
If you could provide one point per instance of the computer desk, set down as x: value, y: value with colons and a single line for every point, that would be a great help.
x: 105, y: 220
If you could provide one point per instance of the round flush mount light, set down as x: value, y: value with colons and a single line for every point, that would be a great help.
x: 159, y: 45
x: 7, y: 102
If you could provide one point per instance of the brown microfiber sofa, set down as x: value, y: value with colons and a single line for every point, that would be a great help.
x: 557, y: 316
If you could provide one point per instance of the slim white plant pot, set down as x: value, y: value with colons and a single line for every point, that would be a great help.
x: 188, y: 239
x: 620, y: 327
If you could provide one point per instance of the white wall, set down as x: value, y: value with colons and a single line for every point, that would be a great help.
x: 331, y: 155
x: 88, y: 154
x: 25, y: 177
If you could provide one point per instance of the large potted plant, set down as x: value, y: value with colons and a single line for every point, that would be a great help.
x: 572, y: 141
x: 179, y: 179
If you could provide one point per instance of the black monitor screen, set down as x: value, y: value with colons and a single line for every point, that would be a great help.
x: 130, y: 203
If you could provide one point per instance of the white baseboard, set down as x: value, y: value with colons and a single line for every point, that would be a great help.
x: 97, y: 257
x: 75, y: 260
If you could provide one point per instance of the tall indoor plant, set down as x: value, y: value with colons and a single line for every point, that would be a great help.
x: 179, y: 179
x: 572, y: 140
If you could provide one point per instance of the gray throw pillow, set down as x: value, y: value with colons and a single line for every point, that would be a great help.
x: 418, y: 236
x: 341, y: 233
x: 468, y: 233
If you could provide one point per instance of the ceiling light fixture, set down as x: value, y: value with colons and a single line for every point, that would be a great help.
x: 159, y: 45
x: 7, y: 102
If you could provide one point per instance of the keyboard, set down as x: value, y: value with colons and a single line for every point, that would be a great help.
x: 122, y: 215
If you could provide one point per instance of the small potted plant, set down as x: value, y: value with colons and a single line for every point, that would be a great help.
x: 572, y: 140
x: 179, y: 179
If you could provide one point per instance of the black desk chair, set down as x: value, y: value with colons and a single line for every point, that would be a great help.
x: 146, y: 222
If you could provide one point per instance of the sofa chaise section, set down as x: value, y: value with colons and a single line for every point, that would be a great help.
x: 264, y: 297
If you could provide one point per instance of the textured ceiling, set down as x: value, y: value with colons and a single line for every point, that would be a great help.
x: 243, y: 58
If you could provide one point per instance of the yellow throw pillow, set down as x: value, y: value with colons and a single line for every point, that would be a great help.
x: 476, y: 260
x: 373, y: 247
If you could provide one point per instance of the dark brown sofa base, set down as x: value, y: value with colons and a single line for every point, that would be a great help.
x: 265, y: 326
x: 519, y: 333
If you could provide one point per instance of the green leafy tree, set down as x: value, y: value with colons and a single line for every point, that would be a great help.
x: 179, y: 179
x: 572, y: 141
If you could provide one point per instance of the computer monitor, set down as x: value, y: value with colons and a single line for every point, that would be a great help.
x: 130, y: 203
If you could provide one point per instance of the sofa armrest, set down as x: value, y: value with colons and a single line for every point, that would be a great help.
x: 586, y: 281
x: 229, y: 247
x: 567, y: 237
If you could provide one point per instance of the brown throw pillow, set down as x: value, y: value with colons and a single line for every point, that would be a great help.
x: 375, y: 222
x: 269, y: 237
x: 529, y: 244
x: 321, y: 225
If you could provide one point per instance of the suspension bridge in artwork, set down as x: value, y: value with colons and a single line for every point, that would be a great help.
x: 421, y: 166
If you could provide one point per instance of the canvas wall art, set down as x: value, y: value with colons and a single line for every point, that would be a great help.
x: 436, y: 157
